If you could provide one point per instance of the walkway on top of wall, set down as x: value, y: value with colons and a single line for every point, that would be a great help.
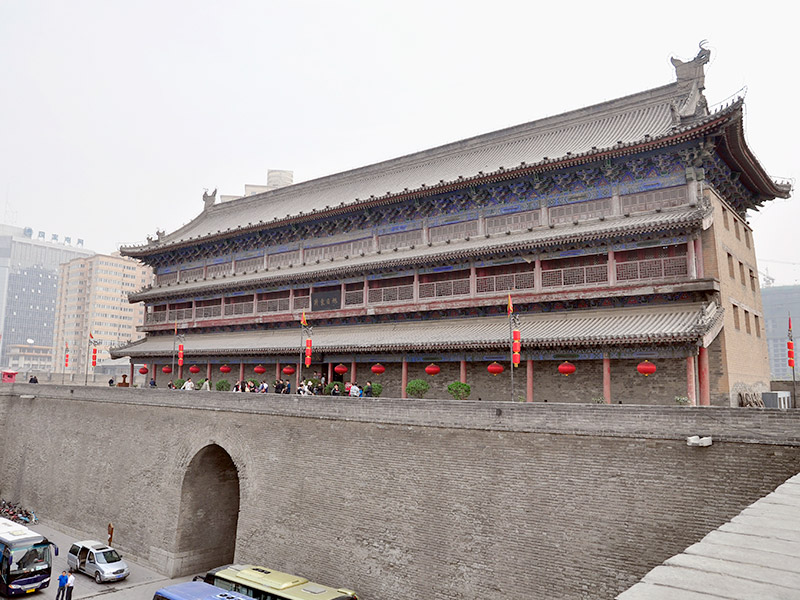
x: 756, y: 555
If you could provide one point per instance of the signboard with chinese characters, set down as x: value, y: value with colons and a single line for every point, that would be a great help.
x: 326, y: 300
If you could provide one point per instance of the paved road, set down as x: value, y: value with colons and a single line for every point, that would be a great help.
x: 141, y: 584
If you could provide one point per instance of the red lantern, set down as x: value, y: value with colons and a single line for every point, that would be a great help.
x: 143, y: 370
x: 94, y: 357
x: 225, y: 369
x: 790, y: 352
x: 646, y: 368
x: 432, y: 369
x: 378, y: 368
x: 495, y: 369
x: 566, y: 368
x: 166, y: 369
x: 260, y: 369
x: 288, y: 370
x: 515, y: 335
x: 194, y: 369
x: 340, y: 369
x: 180, y: 355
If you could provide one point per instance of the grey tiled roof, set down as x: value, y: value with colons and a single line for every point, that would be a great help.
x: 663, y: 324
x: 458, y: 249
x: 754, y: 556
x: 638, y: 118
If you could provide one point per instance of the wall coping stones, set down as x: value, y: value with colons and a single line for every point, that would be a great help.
x: 723, y: 424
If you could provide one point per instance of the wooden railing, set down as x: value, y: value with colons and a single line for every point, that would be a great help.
x: 396, y: 293
x: 655, y: 268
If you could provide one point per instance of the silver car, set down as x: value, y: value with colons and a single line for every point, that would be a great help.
x: 97, y: 560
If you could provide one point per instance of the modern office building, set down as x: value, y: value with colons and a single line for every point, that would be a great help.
x: 93, y: 312
x: 779, y: 303
x: 29, y: 265
x: 619, y: 231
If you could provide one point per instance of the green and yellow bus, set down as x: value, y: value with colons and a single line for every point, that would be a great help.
x: 265, y: 584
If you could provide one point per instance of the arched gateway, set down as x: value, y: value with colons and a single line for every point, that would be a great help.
x: 209, y: 511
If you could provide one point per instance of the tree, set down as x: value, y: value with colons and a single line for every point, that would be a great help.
x: 417, y: 388
x: 458, y: 390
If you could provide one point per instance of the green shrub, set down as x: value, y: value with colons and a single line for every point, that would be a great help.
x: 459, y: 391
x: 178, y: 383
x: 377, y: 389
x: 199, y: 384
x: 223, y: 385
x: 417, y: 388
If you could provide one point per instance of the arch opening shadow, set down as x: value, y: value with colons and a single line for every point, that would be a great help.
x: 209, y: 512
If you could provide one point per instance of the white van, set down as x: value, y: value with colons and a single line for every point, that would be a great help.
x: 97, y: 560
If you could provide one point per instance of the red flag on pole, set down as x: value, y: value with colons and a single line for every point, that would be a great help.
x: 303, y: 321
x: 510, y: 305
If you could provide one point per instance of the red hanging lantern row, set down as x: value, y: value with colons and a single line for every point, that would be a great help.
x: 166, y: 369
x: 432, y: 369
x: 224, y: 369
x: 308, y: 352
x: 495, y: 368
x: 378, y: 369
x: 194, y: 369
x: 143, y: 371
x: 340, y: 369
x: 516, y: 347
x: 566, y: 368
x: 646, y: 368
x: 94, y: 357
x: 260, y: 369
x: 288, y: 370
x: 790, y: 352
x: 180, y: 355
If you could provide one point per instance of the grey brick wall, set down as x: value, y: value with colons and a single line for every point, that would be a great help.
x: 401, y: 498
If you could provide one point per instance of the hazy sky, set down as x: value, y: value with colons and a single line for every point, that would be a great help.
x: 115, y: 115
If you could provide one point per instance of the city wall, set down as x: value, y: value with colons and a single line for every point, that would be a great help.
x: 394, y: 498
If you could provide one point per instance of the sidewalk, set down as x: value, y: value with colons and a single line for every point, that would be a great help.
x: 141, y: 584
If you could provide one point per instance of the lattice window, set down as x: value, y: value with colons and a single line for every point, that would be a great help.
x: 580, y: 211
x: 514, y: 222
x: 190, y: 274
x: 354, y: 298
x: 525, y: 281
x: 284, y: 259
x: 273, y: 305
x: 239, y: 308
x: 553, y: 278
x: 250, y: 264
x: 217, y: 270
x: 165, y: 278
x: 597, y: 274
x: 453, y: 231
x: 652, y: 200
x: 404, y: 239
x: 302, y: 302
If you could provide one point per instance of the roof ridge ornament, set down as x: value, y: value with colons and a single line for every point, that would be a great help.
x: 691, y: 77
x: 209, y: 199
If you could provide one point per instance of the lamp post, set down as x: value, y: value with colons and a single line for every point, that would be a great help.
x: 93, y: 343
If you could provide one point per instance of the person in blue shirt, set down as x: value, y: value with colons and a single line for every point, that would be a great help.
x: 62, y: 585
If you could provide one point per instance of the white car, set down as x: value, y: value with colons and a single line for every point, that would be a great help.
x: 97, y: 560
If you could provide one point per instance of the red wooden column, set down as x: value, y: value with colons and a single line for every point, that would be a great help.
x: 297, y: 375
x: 278, y: 371
x: 241, y: 371
x: 180, y: 371
x: 607, y: 379
x: 330, y: 372
x: 698, y: 253
x: 529, y: 380
x: 353, y: 371
x: 690, y: 387
x: 153, y: 374
x: 692, y: 259
x: 463, y: 371
x: 404, y: 379
x: 208, y: 371
x: 702, y: 376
